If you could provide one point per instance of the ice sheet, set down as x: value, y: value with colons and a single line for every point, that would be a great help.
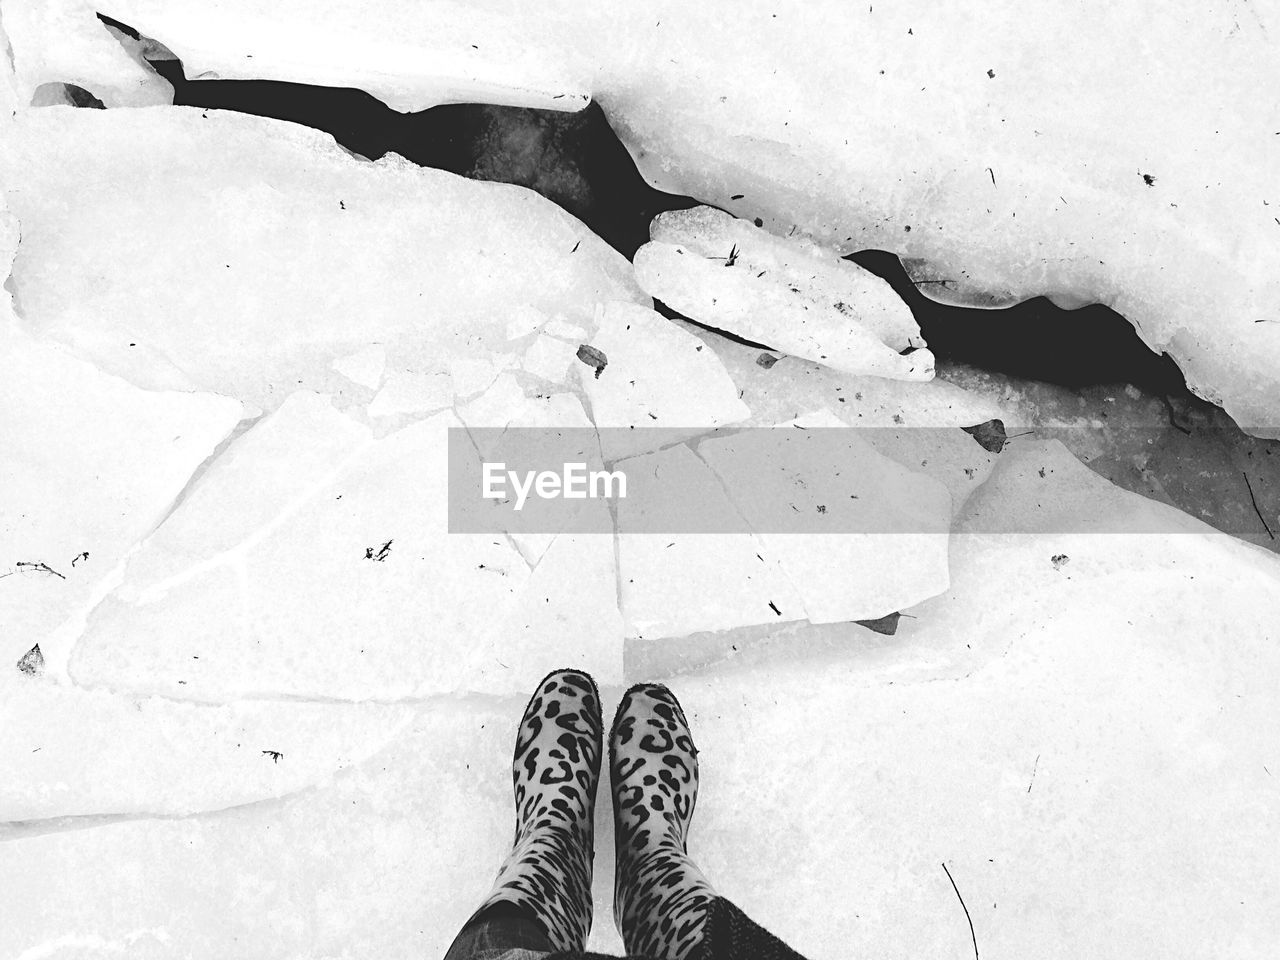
x: 1078, y: 726
x: 1073, y: 734
x: 656, y: 375
x: 73, y: 752
x: 61, y: 41
x: 677, y: 583
x: 364, y: 367
x: 475, y: 57
x: 249, y: 254
x: 897, y: 552
x: 1094, y: 153
x: 404, y: 393
x: 920, y: 425
x: 1011, y: 158
x: 89, y: 464
x: 315, y: 561
x: 789, y: 294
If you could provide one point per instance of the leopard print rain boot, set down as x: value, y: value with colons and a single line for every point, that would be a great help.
x: 661, y: 898
x: 555, y: 773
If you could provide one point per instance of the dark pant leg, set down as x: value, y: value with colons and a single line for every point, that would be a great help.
x: 728, y: 933
x: 501, y: 926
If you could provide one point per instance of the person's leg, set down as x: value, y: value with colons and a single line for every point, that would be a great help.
x: 661, y: 898
x: 555, y: 773
x: 494, y: 930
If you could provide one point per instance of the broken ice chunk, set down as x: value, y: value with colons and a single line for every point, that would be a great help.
x: 548, y: 358
x: 521, y: 432
x: 657, y: 375
x: 317, y: 562
x: 57, y: 42
x: 496, y: 407
x: 524, y: 320
x: 505, y: 405
x: 472, y: 57
x: 788, y: 294
x: 676, y: 582
x: 299, y: 249
x: 472, y: 375
x: 788, y: 480
x: 567, y: 613
x: 412, y: 393
x: 917, y: 424
x: 560, y: 328
x: 820, y: 276
x: 71, y: 752
x: 88, y: 465
x: 364, y: 366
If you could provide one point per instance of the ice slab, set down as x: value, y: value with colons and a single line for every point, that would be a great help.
x: 314, y: 893
x: 899, y: 554
x: 89, y: 464
x: 62, y: 41
x: 1048, y: 732
x: 249, y: 254
x: 567, y: 613
x: 508, y: 426
x: 674, y: 584
x: 10, y: 102
x: 315, y: 561
x: 506, y: 404
x: 654, y: 375
x: 920, y: 425
x: 789, y: 294
x: 1078, y: 169
x: 474, y: 57
x: 549, y: 358
x: 823, y: 282
x: 72, y: 752
x: 405, y: 393
x: 1012, y: 159
x: 364, y: 367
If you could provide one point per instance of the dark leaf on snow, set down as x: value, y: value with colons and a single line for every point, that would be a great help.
x: 593, y: 358
x: 32, y: 662
x: 990, y: 435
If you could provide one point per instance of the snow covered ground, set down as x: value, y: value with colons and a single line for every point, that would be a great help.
x: 275, y: 696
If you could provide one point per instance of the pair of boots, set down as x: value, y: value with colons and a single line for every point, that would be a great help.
x: 660, y: 897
